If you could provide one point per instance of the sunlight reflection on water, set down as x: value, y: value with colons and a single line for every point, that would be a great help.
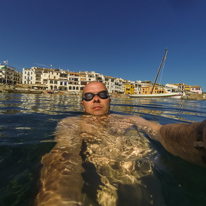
x: 27, y: 126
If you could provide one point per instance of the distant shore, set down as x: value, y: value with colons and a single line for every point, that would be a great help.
x: 11, y: 89
x: 187, y: 97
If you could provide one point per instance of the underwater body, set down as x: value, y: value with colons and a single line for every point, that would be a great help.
x: 28, y: 123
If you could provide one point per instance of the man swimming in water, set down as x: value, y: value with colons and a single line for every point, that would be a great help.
x: 99, y: 159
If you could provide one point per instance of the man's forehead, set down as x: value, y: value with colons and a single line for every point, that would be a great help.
x: 93, y: 87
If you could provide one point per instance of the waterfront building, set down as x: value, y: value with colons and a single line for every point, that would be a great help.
x: 29, y: 75
x: 187, y: 88
x: 181, y: 86
x: 110, y: 84
x: 122, y: 85
x: 53, y: 79
x: 124, y: 82
x: 148, y: 90
x: 100, y: 78
x: 171, y: 88
x: 63, y: 83
x: 91, y: 76
x: 33, y: 77
x: 83, y: 77
x: 58, y: 79
x: 9, y: 75
x: 86, y: 77
x: 74, y: 82
x: 118, y: 86
x: 137, y: 87
x: 196, y: 89
x: 129, y: 88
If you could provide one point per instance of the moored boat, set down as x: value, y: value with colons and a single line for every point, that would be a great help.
x: 172, y: 95
x: 164, y: 94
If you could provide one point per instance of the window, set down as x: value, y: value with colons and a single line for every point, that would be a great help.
x: 65, y: 83
x: 61, y: 83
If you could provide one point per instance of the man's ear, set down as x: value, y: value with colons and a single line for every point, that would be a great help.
x: 83, y: 106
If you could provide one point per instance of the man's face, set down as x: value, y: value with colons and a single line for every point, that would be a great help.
x: 96, y: 106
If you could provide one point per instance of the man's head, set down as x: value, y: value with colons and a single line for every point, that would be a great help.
x: 97, y: 105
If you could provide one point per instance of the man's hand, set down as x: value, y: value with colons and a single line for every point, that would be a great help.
x: 187, y: 141
x: 151, y: 128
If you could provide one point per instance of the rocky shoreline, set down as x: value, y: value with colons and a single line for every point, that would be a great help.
x: 194, y: 97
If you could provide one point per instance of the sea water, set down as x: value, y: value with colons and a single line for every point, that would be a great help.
x: 28, y: 122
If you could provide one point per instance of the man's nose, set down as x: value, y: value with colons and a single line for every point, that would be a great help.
x: 96, y: 98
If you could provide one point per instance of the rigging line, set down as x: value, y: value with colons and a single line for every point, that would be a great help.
x: 162, y: 72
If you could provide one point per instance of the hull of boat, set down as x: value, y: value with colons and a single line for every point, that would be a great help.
x: 163, y: 95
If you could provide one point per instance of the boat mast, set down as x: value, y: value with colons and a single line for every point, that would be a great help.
x: 159, y: 70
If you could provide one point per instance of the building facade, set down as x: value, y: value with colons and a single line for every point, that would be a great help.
x: 9, y: 75
x: 196, y: 89
x: 58, y: 79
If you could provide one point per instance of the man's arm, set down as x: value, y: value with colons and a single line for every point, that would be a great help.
x: 187, y: 141
x: 61, y: 180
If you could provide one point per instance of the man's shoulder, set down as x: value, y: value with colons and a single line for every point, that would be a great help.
x: 71, y: 120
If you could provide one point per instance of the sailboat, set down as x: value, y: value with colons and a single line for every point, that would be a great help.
x: 173, y: 95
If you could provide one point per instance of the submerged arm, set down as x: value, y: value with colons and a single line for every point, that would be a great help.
x: 187, y: 141
x: 61, y: 180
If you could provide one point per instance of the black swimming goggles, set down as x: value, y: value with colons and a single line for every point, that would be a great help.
x: 90, y: 96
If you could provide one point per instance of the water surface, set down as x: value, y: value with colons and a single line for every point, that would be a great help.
x: 27, y: 125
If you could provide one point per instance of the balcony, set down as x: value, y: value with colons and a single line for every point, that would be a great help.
x: 63, y: 75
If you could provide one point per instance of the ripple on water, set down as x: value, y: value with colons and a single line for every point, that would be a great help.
x: 27, y: 126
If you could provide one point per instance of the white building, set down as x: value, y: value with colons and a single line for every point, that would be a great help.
x: 118, y: 86
x: 9, y: 75
x: 110, y: 84
x: 196, y: 89
x: 137, y: 87
x: 28, y: 75
x: 74, y: 82
x: 34, y: 77
x: 58, y: 79
x: 172, y: 88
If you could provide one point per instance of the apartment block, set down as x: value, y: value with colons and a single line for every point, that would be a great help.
x: 9, y: 75
x: 58, y: 79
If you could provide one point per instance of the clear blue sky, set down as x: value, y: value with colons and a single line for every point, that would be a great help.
x: 117, y: 38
